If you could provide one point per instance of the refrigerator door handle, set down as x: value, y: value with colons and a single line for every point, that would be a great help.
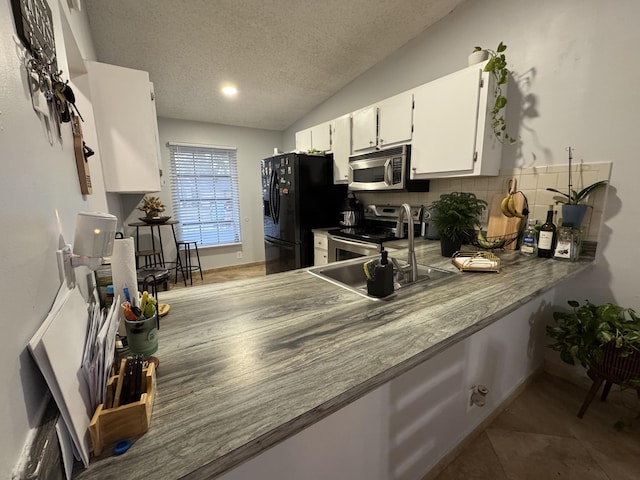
x: 275, y: 199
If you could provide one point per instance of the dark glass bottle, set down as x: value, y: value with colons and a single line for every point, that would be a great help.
x: 547, y: 237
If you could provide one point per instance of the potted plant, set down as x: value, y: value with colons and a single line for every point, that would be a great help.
x: 497, y: 66
x: 573, y: 210
x: 604, y: 339
x: 456, y: 216
x: 152, y: 207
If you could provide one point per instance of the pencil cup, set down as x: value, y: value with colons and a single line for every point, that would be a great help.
x: 142, y: 335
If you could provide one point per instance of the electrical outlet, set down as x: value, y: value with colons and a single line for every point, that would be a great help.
x: 238, y: 255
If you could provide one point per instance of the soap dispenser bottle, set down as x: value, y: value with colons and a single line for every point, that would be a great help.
x: 381, y: 284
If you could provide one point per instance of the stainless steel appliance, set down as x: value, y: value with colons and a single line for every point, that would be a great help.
x: 378, y: 227
x: 387, y: 169
x: 298, y: 195
x: 351, y: 212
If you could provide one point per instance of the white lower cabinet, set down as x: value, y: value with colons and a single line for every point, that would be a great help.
x: 452, y: 127
x: 127, y: 128
x: 320, y: 249
x: 403, y: 428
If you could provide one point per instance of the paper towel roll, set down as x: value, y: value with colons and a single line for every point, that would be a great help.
x: 123, y: 270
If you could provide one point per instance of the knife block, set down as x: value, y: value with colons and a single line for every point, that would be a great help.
x: 110, y: 425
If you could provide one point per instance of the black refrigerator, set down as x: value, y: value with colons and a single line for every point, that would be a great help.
x: 298, y: 195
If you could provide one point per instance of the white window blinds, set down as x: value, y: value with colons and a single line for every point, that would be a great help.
x: 204, y: 191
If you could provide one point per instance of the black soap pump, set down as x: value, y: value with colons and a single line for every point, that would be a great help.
x: 381, y: 285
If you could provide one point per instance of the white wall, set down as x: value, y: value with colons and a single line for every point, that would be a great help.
x: 252, y: 146
x: 38, y: 185
x: 575, y: 83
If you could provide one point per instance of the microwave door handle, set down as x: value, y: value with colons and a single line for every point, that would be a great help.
x: 388, y: 174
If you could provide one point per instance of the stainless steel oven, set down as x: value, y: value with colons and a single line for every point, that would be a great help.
x: 378, y: 228
x: 341, y: 248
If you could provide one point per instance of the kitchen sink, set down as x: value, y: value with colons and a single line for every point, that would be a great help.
x: 350, y: 275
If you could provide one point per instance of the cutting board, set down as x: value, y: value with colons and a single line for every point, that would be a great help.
x: 501, y: 226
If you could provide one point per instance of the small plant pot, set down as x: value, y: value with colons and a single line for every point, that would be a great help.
x: 449, y: 246
x: 573, y: 215
x: 477, y: 57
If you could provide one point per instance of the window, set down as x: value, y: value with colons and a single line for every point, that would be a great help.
x: 204, y: 194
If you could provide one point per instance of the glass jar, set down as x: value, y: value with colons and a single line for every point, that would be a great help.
x: 568, y: 244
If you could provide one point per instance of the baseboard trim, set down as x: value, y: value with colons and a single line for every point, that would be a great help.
x: 234, y: 267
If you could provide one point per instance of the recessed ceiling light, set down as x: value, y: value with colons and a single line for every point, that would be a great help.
x: 229, y: 90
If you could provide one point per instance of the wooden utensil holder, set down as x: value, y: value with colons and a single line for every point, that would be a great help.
x: 110, y: 425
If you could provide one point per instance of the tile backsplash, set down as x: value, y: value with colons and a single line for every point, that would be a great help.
x: 532, y: 181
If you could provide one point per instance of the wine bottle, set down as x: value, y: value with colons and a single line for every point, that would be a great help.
x: 547, y: 236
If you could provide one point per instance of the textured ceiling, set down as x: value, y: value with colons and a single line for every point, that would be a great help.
x: 285, y: 56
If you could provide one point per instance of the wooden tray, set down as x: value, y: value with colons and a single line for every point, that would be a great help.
x: 110, y: 425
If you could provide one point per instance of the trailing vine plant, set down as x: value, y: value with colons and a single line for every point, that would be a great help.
x: 497, y: 66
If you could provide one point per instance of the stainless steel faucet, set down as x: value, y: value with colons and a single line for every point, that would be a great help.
x: 412, y: 264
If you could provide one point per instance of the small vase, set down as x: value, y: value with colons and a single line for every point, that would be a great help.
x: 477, y: 57
x: 573, y: 215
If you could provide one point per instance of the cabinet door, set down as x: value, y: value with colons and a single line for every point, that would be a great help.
x: 364, y: 132
x: 303, y: 140
x: 341, y: 148
x: 321, y: 137
x: 395, y: 120
x: 445, y: 125
x: 127, y: 128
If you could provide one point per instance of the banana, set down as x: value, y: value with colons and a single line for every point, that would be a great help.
x: 484, y: 243
x: 504, y: 206
x: 512, y: 208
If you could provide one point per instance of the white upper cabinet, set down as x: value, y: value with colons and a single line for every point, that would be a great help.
x: 384, y: 124
x: 321, y: 137
x: 303, y: 140
x: 317, y: 137
x: 452, y: 127
x: 127, y: 128
x: 364, y: 129
x: 341, y: 148
x: 395, y: 120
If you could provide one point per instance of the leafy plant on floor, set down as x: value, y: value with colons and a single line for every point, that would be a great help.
x: 581, y: 334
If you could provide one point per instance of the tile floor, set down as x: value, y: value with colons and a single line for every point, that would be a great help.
x: 538, y: 435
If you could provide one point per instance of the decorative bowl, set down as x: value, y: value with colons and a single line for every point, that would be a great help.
x: 154, y: 220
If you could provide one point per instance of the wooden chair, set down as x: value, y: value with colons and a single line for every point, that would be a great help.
x: 612, y: 369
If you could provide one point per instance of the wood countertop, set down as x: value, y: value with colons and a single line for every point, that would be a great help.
x: 247, y: 364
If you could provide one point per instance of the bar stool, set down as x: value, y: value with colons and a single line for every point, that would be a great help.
x: 187, y: 266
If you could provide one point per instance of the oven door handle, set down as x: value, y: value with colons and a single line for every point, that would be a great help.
x: 354, y: 243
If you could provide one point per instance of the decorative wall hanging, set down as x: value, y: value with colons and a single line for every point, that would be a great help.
x: 34, y: 26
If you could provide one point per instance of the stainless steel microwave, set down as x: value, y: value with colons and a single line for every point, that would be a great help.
x: 384, y: 170
x: 380, y: 170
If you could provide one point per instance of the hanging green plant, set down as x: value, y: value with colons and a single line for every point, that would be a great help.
x: 497, y: 66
